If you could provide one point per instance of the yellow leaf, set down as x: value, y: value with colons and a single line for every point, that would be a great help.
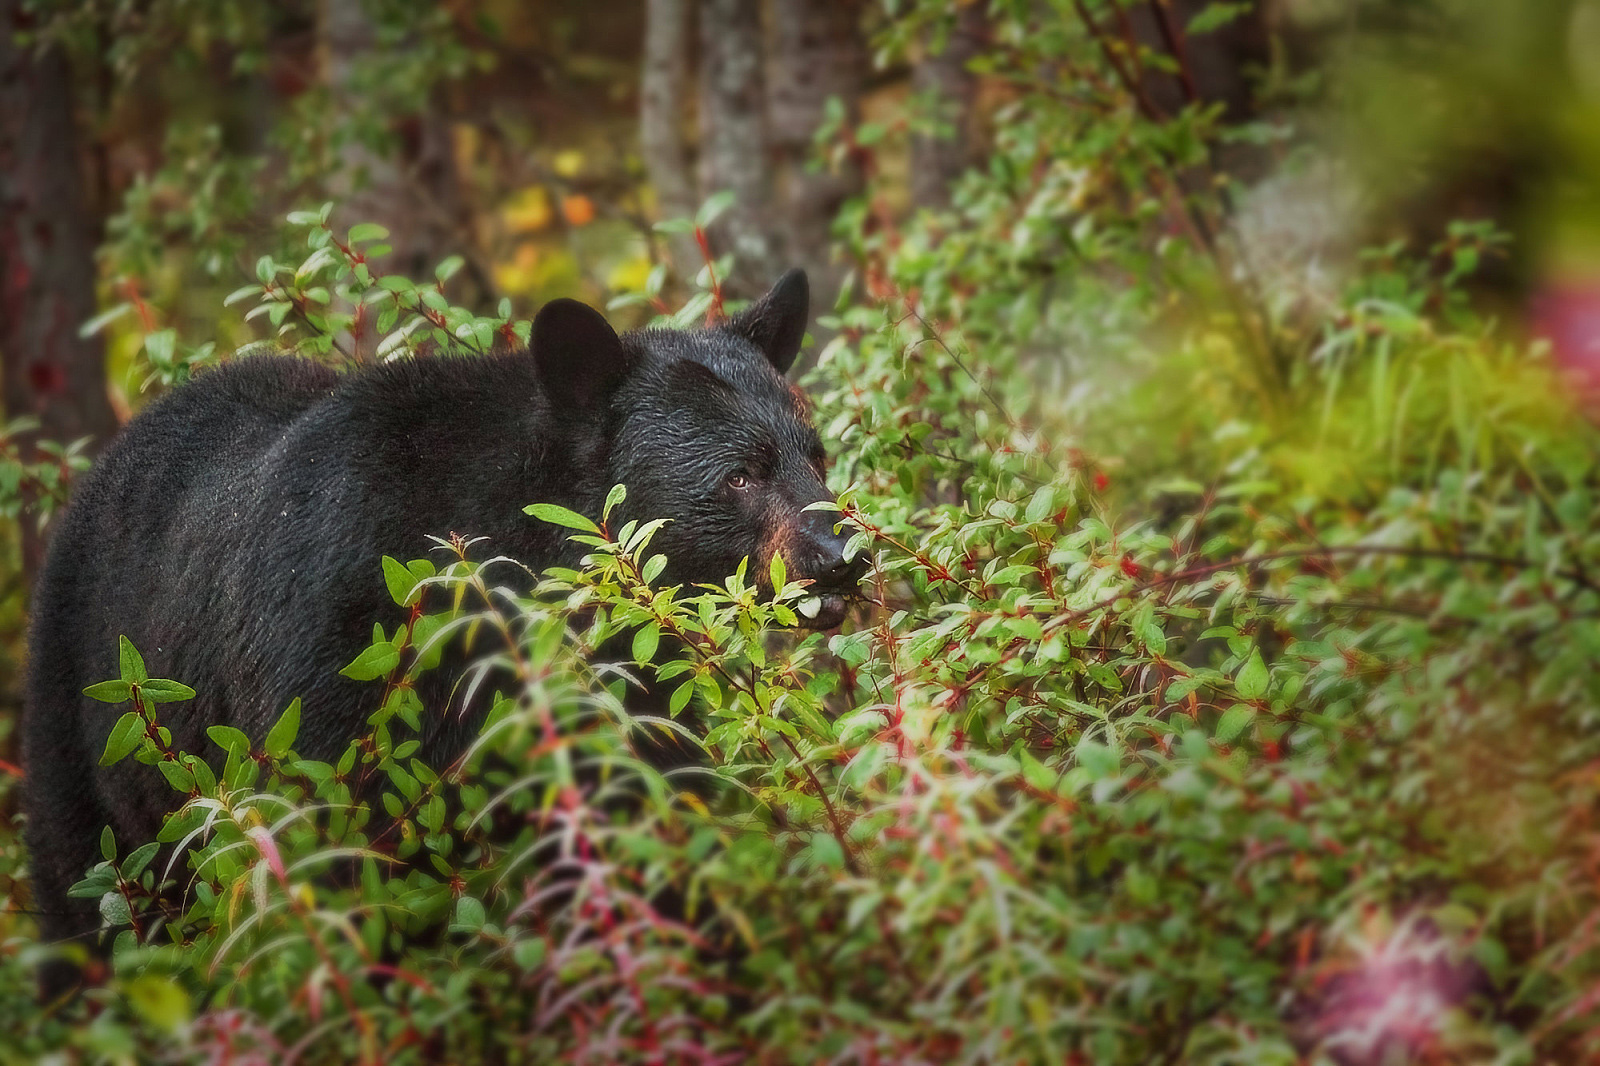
x: 629, y: 275
x: 158, y: 1000
x: 528, y: 210
x: 520, y: 276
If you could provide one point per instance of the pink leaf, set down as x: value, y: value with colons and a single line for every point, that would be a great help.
x: 269, y: 851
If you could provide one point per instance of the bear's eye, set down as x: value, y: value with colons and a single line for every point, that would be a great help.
x: 739, y: 480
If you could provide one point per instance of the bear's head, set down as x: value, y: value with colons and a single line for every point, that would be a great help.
x: 705, y: 431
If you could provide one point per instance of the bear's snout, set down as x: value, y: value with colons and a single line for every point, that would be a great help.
x: 825, y: 548
x: 822, y: 559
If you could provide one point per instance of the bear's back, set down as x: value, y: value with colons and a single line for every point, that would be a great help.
x: 195, y: 446
x: 234, y: 532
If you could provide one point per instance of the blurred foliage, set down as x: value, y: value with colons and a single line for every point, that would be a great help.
x: 205, y: 122
x: 1224, y: 692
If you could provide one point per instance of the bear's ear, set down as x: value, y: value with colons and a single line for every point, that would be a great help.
x: 776, y: 323
x: 578, y: 355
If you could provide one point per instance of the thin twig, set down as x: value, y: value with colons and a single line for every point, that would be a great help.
x: 1173, y: 36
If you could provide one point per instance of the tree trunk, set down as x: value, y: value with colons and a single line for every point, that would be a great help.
x: 734, y: 138
x: 663, y: 97
x: 47, y: 271
x: 819, y: 53
x: 941, y: 78
x: 414, y: 191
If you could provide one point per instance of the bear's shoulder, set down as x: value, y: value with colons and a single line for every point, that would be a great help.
x: 436, y: 392
x: 267, y: 381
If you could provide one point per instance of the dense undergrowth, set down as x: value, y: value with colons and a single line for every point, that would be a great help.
x: 1223, y: 692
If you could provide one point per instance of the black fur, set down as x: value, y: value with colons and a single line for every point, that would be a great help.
x: 234, y: 531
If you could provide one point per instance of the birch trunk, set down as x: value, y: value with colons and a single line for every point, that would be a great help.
x: 819, y: 53
x: 734, y: 149
x: 663, y: 100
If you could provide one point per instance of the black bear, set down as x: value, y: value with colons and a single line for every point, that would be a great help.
x: 234, y: 530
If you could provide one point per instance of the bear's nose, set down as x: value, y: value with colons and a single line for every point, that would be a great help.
x: 833, y: 570
x: 843, y: 573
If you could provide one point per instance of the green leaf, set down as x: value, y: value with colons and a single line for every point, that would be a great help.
x: 139, y: 860
x: 1098, y: 760
x: 653, y: 567
x: 529, y: 954
x: 160, y: 690
x: 617, y: 494
x: 103, y: 319
x: 469, y: 914
x: 672, y: 226
x: 125, y: 737
x: 560, y: 516
x: 1181, y: 687
x: 1251, y: 681
x: 1035, y: 772
x: 1233, y: 722
x: 229, y: 739
x: 109, y: 692
x: 377, y: 661
x: 1154, y: 639
x: 714, y: 206
x: 367, y: 231
x: 853, y: 648
x: 645, y: 642
x: 204, y: 779
x: 114, y: 909
x: 130, y: 662
x: 322, y: 257
x: 281, y: 737
x: 1216, y: 15
x: 1041, y: 506
x: 108, y: 844
x: 448, y: 269
x: 399, y: 579
x: 98, y: 881
x: 826, y: 851
x: 178, y: 776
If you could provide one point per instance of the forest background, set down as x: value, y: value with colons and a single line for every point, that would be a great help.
x: 1210, y: 381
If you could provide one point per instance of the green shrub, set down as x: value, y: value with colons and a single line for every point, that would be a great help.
x: 1225, y: 679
